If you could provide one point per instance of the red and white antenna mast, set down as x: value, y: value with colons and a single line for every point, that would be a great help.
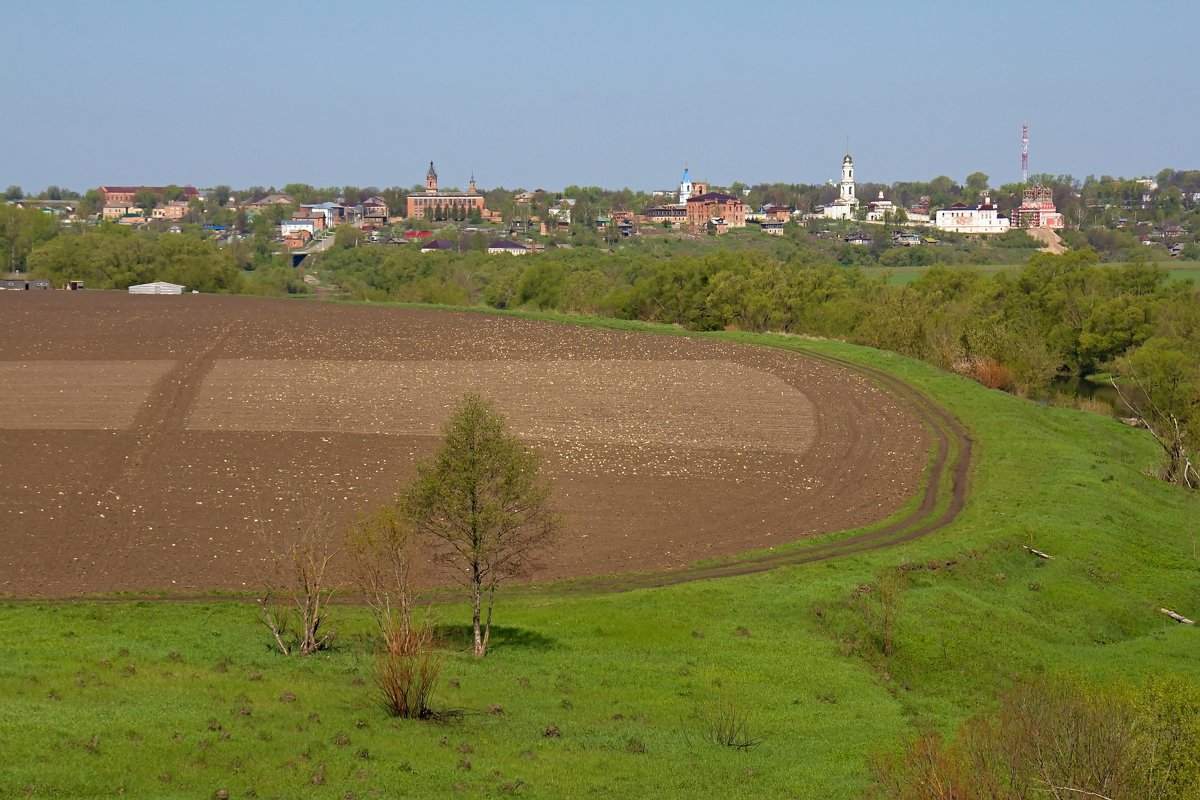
x: 1025, y: 153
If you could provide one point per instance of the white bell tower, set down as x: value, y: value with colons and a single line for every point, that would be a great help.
x: 685, y: 187
x: 847, y: 189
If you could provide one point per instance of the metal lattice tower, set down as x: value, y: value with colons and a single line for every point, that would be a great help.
x: 1025, y: 153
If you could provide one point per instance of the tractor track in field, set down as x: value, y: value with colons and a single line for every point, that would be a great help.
x: 951, y: 456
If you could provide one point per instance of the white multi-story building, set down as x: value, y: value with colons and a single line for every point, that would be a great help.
x: 984, y: 218
x: 290, y: 226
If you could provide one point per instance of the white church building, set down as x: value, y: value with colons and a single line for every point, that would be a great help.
x: 959, y: 218
x: 689, y: 188
x: 846, y: 204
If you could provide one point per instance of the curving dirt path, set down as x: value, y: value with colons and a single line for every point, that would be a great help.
x: 943, y: 497
x: 167, y: 444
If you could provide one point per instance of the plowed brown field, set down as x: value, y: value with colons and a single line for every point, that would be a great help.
x: 170, y: 442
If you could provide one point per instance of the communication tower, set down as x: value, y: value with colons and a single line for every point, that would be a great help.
x: 1025, y: 153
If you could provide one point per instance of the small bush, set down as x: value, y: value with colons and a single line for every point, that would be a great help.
x: 989, y: 372
x: 1059, y: 740
x: 727, y: 724
x: 407, y: 669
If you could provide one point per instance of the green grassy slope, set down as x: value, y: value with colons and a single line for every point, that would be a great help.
x: 629, y: 678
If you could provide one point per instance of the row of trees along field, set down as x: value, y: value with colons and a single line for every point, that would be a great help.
x: 1060, y: 315
x: 111, y: 256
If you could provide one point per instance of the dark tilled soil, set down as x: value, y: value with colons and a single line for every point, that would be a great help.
x: 172, y: 442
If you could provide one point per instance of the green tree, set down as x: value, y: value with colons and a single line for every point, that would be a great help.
x: 483, y: 506
x: 1166, y: 375
x: 346, y: 235
x: 1170, y: 763
x: 91, y: 203
x: 21, y: 230
x: 977, y: 184
x: 300, y: 192
x: 145, y: 199
x: 14, y: 193
x: 542, y: 284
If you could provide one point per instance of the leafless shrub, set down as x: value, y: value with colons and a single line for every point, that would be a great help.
x: 294, y: 606
x: 728, y: 724
x: 381, y: 545
x: 407, y: 663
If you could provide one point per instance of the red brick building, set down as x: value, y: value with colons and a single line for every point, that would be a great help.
x: 1037, y: 209
x: 711, y: 205
x: 124, y: 194
x: 433, y: 203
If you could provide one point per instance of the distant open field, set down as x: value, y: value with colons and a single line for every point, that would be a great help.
x: 171, y: 442
x: 1176, y: 270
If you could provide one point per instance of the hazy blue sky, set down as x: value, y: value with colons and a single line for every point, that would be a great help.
x: 545, y: 94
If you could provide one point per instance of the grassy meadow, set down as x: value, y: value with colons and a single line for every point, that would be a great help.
x: 618, y: 695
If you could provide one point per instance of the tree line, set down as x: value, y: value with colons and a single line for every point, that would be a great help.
x: 111, y: 256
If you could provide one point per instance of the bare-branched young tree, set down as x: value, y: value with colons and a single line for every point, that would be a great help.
x: 294, y: 606
x: 382, y: 550
x: 482, y: 505
x: 1165, y: 396
x: 407, y: 663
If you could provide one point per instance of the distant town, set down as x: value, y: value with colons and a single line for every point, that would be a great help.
x: 1155, y: 209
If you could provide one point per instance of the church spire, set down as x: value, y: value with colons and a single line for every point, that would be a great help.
x: 431, y: 179
x: 685, y: 186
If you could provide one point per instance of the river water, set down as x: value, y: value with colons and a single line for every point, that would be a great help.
x: 1083, y: 389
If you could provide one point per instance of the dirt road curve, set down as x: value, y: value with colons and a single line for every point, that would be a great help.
x: 170, y: 442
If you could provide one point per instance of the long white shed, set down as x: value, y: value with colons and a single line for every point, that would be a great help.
x: 158, y: 287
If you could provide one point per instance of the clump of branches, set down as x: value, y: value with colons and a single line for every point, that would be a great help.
x: 878, y: 607
x: 727, y: 723
x: 294, y: 607
x: 407, y: 663
x: 407, y: 668
x: 382, y: 554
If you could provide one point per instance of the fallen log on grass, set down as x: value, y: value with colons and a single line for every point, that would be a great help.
x: 1177, y: 617
x: 1037, y: 553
